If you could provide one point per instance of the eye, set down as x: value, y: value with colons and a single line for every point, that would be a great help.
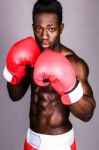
x: 52, y: 29
x: 38, y: 29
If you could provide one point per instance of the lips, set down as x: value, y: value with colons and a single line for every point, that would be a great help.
x: 45, y: 44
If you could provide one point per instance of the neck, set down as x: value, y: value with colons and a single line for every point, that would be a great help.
x: 58, y: 47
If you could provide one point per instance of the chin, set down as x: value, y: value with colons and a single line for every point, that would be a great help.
x: 46, y: 48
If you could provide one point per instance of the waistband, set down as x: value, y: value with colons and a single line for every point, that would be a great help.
x: 50, y: 142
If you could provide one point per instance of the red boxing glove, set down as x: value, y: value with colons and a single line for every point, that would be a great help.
x: 22, y: 53
x: 52, y: 67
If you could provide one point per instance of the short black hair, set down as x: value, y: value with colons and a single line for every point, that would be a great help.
x: 47, y: 6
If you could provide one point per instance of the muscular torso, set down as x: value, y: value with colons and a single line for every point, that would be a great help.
x: 47, y: 113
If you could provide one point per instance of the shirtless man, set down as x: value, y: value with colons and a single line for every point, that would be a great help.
x: 50, y: 127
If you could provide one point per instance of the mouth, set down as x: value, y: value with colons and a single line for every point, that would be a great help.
x: 45, y: 45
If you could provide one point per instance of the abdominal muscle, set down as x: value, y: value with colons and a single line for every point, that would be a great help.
x: 47, y: 113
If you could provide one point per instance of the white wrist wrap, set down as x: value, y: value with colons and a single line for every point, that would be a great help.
x: 73, y: 96
x: 7, y: 75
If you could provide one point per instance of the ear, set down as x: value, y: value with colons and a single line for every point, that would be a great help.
x: 61, y: 27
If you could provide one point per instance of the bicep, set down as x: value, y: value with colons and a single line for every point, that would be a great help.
x: 84, y: 108
x: 82, y: 74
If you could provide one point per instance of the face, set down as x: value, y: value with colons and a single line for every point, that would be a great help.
x: 47, y: 30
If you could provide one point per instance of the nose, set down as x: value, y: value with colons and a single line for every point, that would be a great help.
x: 45, y: 35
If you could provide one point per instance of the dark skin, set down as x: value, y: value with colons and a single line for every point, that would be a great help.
x: 47, y: 113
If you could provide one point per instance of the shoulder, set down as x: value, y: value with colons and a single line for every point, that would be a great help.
x: 80, y: 66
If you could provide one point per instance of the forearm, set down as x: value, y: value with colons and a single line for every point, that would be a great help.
x: 16, y: 92
x: 84, y: 108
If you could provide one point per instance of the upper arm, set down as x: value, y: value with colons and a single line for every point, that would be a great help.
x: 82, y: 72
x: 84, y: 108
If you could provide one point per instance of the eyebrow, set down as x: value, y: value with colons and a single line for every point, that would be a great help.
x: 49, y: 25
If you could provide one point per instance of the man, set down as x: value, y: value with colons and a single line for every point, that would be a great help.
x: 51, y: 99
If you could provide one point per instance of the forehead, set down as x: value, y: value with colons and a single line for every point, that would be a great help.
x: 46, y: 19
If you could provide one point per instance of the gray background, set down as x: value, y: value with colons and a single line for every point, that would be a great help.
x: 81, y: 34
